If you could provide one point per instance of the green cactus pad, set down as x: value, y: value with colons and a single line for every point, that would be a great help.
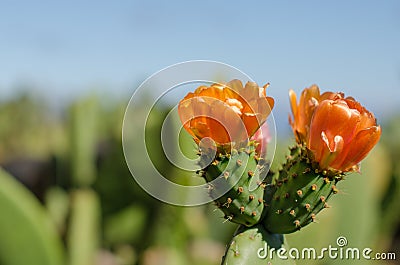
x: 301, y: 193
x: 237, y: 173
x: 255, y: 245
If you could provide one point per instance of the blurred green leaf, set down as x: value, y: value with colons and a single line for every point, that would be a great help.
x: 84, y: 228
x: 84, y: 138
x: 27, y: 234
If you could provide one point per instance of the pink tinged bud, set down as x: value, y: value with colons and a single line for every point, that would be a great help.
x: 262, y: 137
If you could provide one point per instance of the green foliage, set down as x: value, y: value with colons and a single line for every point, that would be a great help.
x: 27, y: 234
x: 29, y: 128
x: 126, y: 225
x: 83, y: 234
x: 83, y: 141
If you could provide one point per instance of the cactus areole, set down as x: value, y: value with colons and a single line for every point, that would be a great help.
x: 242, y: 171
x: 301, y: 192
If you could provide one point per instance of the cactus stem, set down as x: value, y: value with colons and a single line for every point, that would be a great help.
x: 237, y: 169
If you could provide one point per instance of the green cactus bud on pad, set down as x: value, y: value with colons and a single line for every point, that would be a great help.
x: 302, y: 191
x: 235, y: 184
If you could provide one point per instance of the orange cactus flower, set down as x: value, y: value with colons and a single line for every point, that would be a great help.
x: 227, y: 113
x: 338, y: 131
x: 302, y: 112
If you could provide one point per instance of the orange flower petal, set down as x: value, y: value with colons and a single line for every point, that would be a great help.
x: 302, y: 113
x: 362, y: 144
x: 252, y: 122
x: 334, y: 146
x: 334, y: 118
x: 293, y: 103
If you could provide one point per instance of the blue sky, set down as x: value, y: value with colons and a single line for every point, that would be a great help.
x: 64, y: 49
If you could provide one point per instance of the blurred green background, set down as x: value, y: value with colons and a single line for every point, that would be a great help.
x: 67, y: 197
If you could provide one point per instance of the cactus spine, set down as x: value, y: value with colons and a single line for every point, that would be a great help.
x: 301, y: 192
x: 238, y: 172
